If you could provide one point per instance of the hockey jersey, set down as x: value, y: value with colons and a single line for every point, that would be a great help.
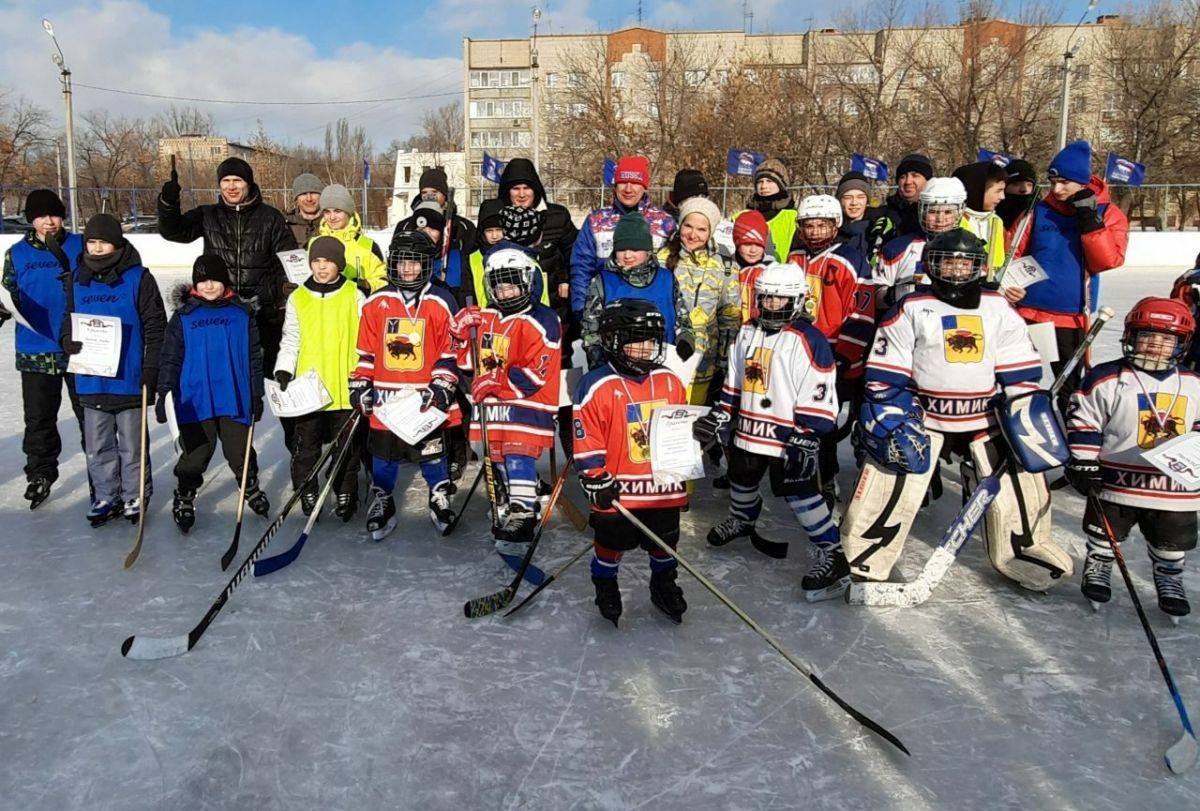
x: 527, y: 347
x: 899, y: 270
x: 957, y: 360
x: 406, y: 344
x: 612, y: 432
x: 779, y: 383
x: 1117, y: 414
x: 835, y: 275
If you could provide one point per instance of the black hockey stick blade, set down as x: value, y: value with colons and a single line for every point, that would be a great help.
x: 858, y: 716
x: 549, y: 579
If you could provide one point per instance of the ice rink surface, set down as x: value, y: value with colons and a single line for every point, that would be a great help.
x: 351, y: 679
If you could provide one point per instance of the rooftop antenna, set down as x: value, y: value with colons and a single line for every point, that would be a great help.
x: 639, y: 12
x: 747, y: 17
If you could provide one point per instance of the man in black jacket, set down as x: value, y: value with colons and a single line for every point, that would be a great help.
x: 246, y: 233
x: 459, y: 232
x: 901, y: 206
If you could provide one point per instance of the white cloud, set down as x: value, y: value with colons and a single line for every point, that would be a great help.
x: 126, y: 45
x: 510, y: 18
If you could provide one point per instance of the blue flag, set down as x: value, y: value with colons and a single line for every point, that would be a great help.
x: 998, y: 158
x: 366, y: 172
x: 741, y: 162
x: 610, y: 171
x: 1123, y: 170
x: 492, y: 168
x: 873, y: 168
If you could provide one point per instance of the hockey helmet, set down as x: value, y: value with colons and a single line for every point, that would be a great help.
x: 954, y: 262
x: 942, y: 198
x: 408, y: 247
x: 785, y: 281
x: 820, y: 207
x: 509, y: 267
x: 1167, y: 318
x: 628, y: 321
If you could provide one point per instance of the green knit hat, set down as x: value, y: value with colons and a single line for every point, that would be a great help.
x: 632, y: 234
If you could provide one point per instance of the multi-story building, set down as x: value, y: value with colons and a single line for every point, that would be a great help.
x: 406, y: 186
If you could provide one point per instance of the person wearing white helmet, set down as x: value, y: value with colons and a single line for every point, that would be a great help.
x: 939, y: 209
x: 779, y: 399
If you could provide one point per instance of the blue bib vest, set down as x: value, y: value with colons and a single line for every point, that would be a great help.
x: 1055, y: 243
x: 214, y: 379
x: 449, y: 270
x: 119, y: 300
x: 660, y: 292
x: 42, y: 298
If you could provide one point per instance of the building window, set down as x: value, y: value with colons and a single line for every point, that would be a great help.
x: 499, y: 108
x: 652, y: 109
x: 723, y: 76
x: 408, y: 174
x: 578, y: 109
x: 861, y: 74
x: 499, y: 78
x: 617, y: 78
x: 1083, y: 72
x: 551, y: 80
x: 499, y: 138
x: 574, y: 79
x: 694, y: 78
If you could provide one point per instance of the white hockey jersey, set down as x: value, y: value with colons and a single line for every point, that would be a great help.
x: 899, y: 271
x: 1117, y: 414
x: 778, y: 383
x: 955, y: 359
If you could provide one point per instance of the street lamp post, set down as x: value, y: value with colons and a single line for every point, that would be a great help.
x: 1064, y: 108
x: 65, y: 78
x: 534, y: 101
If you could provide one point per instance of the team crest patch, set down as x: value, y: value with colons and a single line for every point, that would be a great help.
x: 637, y: 426
x: 812, y: 304
x: 493, y: 351
x: 1155, y: 425
x: 962, y: 338
x: 405, y: 342
x: 757, y: 376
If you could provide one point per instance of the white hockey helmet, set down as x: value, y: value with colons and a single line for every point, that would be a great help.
x: 786, y: 281
x: 941, y: 193
x: 823, y: 207
x: 509, y: 266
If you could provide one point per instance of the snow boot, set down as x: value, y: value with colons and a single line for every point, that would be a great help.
x: 183, y: 509
x: 440, y: 513
x: 729, y: 530
x: 1096, y: 583
x: 608, y: 598
x: 828, y: 574
x: 347, y: 506
x: 1168, y: 582
x: 104, y: 511
x: 666, y: 595
x: 256, y: 499
x: 37, y: 491
x: 381, y: 516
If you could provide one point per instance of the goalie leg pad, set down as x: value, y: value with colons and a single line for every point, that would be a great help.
x: 1016, y: 529
x: 881, y: 513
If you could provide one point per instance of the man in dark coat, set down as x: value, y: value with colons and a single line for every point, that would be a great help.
x: 459, y: 232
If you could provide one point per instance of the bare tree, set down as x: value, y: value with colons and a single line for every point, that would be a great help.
x: 441, y: 130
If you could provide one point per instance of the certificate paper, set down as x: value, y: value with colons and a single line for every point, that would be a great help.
x: 101, y: 339
x: 295, y: 265
x: 1179, y: 458
x: 402, y: 415
x: 1023, y: 272
x: 674, y: 455
x: 6, y: 301
x: 304, y: 395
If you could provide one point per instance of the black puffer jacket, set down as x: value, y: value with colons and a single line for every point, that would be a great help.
x: 247, y: 236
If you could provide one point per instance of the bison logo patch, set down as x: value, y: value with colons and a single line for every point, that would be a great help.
x: 404, y: 341
x: 493, y: 351
x: 757, y: 375
x: 962, y: 338
x: 1155, y: 424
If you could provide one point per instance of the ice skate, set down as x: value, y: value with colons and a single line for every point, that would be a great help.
x: 308, y: 501
x: 132, y: 510
x: 514, y: 535
x: 1096, y: 584
x: 1168, y: 582
x: 37, y: 491
x: 381, y: 516
x: 256, y: 499
x: 440, y: 513
x: 828, y: 574
x: 608, y: 598
x: 104, y: 511
x: 729, y: 530
x: 347, y: 506
x: 183, y: 509
x: 666, y: 595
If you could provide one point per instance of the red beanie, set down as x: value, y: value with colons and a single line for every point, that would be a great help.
x: 633, y: 169
x: 750, y: 228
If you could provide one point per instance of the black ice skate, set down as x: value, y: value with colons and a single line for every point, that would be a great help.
x: 1096, y: 584
x: 104, y: 511
x: 381, y: 516
x: 608, y: 598
x: 183, y: 509
x: 37, y: 491
x: 828, y: 574
x: 308, y: 502
x: 729, y: 530
x: 515, y: 533
x: 666, y: 595
x: 256, y: 499
x: 440, y: 513
x: 1168, y: 582
x: 347, y: 506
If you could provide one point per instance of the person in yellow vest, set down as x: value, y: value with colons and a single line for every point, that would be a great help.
x: 320, y: 333
x: 772, y: 199
x: 339, y: 219
x: 488, y: 231
x: 985, y: 182
x: 503, y: 226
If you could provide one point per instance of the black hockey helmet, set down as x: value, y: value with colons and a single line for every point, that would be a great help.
x: 411, y: 246
x: 955, y: 261
x: 628, y: 321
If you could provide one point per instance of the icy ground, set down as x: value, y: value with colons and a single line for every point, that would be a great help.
x: 351, y: 680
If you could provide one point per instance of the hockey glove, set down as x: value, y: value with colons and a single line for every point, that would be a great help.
x: 1087, y: 215
x: 362, y: 395
x: 601, y: 491
x: 488, y: 385
x: 439, y: 395
x: 879, y: 232
x: 595, y: 357
x: 712, y: 426
x: 1084, y: 475
x: 801, y: 451
x: 467, y: 319
x: 160, y: 409
x: 283, y: 377
x: 684, y: 346
x: 171, y: 190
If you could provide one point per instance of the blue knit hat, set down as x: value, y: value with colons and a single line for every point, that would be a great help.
x: 1073, y: 162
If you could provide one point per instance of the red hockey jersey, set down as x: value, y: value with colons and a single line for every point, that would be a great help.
x: 612, y: 432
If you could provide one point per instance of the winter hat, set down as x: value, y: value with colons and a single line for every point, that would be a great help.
x: 330, y: 248
x: 1020, y: 169
x: 750, y: 228
x: 521, y: 170
x: 210, y: 267
x: 853, y: 181
x: 105, y: 227
x: 521, y: 225
x: 489, y: 214
x: 306, y: 183
x: 632, y: 234
x: 337, y: 197
x: 1073, y: 162
x: 976, y: 177
x: 633, y: 169
x: 43, y: 203
x: 915, y: 162
x: 435, y: 178
x: 705, y: 208
x: 235, y: 167
x: 428, y: 214
x: 688, y: 183
x: 773, y: 169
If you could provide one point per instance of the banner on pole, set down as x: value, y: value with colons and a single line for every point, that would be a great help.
x: 873, y: 168
x: 998, y: 158
x: 742, y: 162
x: 609, y: 171
x: 1123, y: 170
x: 492, y: 168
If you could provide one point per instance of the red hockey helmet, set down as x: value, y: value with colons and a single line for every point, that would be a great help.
x: 1164, y: 317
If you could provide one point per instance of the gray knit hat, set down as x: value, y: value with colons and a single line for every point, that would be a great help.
x: 306, y: 183
x: 337, y: 196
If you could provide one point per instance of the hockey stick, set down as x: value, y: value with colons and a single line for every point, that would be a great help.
x: 804, y: 669
x: 241, y: 507
x: 921, y: 587
x: 459, y: 514
x: 491, y: 603
x: 136, y: 647
x: 132, y: 557
x: 549, y: 579
x: 286, y: 558
x: 1182, y: 754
